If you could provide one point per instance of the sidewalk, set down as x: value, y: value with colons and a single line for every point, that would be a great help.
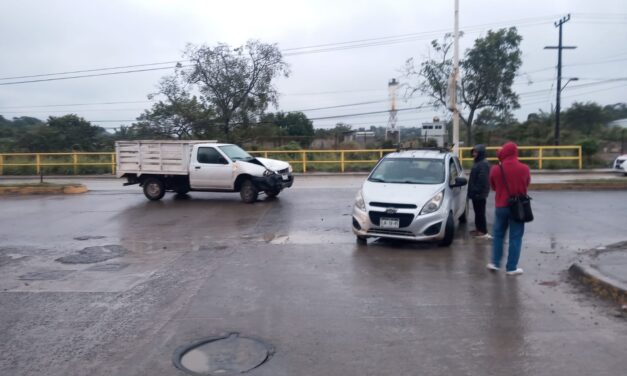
x: 604, y: 270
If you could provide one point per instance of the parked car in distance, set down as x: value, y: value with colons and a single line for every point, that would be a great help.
x: 620, y: 164
x: 414, y: 195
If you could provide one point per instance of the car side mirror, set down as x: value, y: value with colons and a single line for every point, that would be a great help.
x: 459, y: 182
x: 222, y: 160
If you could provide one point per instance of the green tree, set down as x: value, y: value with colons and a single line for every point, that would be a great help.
x: 236, y: 83
x: 586, y: 118
x: 76, y: 133
x: 292, y: 124
x: 488, y: 70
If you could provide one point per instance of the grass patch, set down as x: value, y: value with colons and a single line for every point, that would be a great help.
x: 33, y: 185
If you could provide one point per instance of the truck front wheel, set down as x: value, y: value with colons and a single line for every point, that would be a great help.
x: 271, y: 193
x: 154, y: 189
x: 248, y: 192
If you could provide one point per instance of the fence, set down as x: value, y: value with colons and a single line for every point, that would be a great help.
x: 57, y: 163
x: 303, y: 160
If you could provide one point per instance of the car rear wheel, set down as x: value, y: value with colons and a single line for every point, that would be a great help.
x: 464, y: 217
x: 449, y: 232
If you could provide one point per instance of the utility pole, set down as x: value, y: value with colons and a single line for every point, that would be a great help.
x: 453, y: 84
x: 559, y: 49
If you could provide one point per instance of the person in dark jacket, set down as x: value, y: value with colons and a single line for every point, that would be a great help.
x: 513, y: 179
x: 478, y: 190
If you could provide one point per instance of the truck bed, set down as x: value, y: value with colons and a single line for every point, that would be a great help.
x: 169, y: 157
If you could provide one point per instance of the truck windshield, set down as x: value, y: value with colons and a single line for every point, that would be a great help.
x: 409, y: 171
x: 235, y: 153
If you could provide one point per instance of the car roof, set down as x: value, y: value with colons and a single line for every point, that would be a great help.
x: 419, y: 154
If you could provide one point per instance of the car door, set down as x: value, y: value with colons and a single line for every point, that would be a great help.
x: 458, y: 193
x: 210, y: 169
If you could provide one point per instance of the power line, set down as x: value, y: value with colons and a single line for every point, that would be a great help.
x: 328, y: 47
x: 73, y: 104
x: 83, y: 76
x: 87, y: 70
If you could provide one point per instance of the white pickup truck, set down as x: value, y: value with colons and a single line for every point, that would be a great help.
x: 209, y: 166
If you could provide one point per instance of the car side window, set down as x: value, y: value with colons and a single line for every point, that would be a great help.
x: 458, y: 164
x: 453, y: 171
x: 209, y: 156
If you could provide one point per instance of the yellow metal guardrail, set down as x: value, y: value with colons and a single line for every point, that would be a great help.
x: 539, y: 154
x: 39, y: 161
x: 306, y: 159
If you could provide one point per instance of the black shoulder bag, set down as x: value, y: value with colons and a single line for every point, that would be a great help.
x: 520, y: 205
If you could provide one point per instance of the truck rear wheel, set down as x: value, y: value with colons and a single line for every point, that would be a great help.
x: 248, y: 192
x: 154, y: 189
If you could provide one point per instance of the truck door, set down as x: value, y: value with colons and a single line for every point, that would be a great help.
x: 209, y: 169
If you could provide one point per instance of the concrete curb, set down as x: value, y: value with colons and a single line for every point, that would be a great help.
x: 600, y: 283
x: 43, y: 190
x: 577, y: 186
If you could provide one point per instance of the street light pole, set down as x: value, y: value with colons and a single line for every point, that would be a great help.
x: 454, y: 83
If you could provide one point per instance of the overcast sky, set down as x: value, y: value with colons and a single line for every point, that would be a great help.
x: 41, y: 37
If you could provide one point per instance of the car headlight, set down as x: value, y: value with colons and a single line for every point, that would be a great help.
x: 268, y: 173
x: 290, y: 169
x: 359, y: 201
x: 433, y: 204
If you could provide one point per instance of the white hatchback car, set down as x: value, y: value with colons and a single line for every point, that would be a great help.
x: 413, y: 195
x: 620, y: 164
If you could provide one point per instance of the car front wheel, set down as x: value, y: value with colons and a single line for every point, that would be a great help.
x: 449, y: 232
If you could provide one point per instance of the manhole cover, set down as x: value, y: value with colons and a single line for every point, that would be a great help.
x: 223, y: 355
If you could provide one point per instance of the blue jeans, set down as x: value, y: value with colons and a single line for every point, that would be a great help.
x: 502, y: 221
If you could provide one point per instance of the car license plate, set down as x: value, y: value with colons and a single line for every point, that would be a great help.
x: 285, y: 177
x: 388, y: 222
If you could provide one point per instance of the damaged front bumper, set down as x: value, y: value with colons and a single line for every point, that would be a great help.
x: 274, y: 182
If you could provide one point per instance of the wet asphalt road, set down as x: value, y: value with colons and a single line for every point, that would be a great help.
x: 288, y: 271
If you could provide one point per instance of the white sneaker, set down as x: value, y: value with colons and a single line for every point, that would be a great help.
x: 518, y: 271
x: 492, y: 267
x: 484, y: 236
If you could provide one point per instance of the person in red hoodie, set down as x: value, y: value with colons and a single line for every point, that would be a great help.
x: 516, y: 175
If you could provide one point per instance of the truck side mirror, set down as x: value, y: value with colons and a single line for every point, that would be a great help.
x: 222, y: 160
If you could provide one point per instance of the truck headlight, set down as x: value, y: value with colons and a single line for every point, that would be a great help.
x: 359, y: 201
x: 433, y: 204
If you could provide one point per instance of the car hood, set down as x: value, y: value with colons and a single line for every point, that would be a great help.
x: 416, y: 194
x: 273, y: 164
x: 265, y: 163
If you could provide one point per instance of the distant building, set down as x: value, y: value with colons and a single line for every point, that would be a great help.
x: 435, y: 130
x: 360, y: 137
x: 622, y: 123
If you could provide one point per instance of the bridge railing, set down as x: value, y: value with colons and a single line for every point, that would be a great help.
x: 77, y: 163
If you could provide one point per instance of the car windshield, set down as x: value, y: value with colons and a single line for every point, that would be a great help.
x: 236, y: 153
x: 409, y: 171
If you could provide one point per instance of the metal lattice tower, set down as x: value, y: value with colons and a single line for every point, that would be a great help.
x: 391, y: 129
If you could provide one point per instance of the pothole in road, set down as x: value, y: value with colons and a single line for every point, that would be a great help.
x: 95, y: 254
x: 222, y: 355
x: 89, y: 237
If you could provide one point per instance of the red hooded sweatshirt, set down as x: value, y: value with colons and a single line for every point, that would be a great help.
x: 516, y: 174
